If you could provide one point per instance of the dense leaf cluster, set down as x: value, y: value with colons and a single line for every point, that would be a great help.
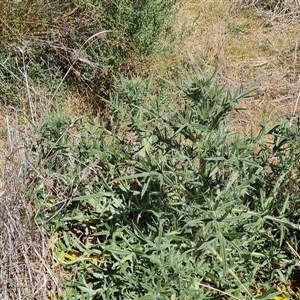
x: 168, y: 203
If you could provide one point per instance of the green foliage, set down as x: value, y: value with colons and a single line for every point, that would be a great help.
x: 45, y: 45
x: 141, y: 23
x: 168, y: 203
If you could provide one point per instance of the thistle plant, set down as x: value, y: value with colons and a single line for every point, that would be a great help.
x: 169, y: 203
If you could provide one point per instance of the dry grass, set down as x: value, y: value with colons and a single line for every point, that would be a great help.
x: 252, y: 45
x: 25, y: 260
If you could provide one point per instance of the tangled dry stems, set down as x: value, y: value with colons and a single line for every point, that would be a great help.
x: 278, y: 8
x: 25, y: 261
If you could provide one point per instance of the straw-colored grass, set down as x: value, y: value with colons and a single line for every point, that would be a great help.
x: 252, y: 44
x: 26, y: 270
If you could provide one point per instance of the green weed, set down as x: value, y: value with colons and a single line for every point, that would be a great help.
x: 168, y: 203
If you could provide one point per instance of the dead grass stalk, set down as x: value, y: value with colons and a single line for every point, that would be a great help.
x: 25, y: 260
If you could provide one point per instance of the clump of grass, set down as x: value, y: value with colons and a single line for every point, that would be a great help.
x: 141, y: 24
x: 46, y: 45
x: 168, y: 203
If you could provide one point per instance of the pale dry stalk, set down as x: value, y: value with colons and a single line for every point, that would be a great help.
x: 25, y: 261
